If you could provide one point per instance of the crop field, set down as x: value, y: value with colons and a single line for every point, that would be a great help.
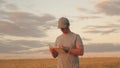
x: 52, y: 63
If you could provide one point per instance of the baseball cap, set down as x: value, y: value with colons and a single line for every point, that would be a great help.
x: 63, y: 22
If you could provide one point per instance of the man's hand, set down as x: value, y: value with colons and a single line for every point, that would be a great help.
x: 53, y: 51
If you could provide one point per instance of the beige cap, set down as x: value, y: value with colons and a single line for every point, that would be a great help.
x: 63, y: 22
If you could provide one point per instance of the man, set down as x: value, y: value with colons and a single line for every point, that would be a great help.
x: 71, y: 44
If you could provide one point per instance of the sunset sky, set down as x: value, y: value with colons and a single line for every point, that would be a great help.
x: 27, y: 27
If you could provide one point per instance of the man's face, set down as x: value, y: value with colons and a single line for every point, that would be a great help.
x: 64, y: 30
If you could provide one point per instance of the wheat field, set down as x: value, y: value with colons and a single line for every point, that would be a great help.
x: 52, y: 63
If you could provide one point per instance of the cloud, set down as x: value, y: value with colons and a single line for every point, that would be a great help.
x: 86, y: 39
x: 88, y: 17
x: 4, y: 5
x: 18, y: 23
x: 109, y: 7
x: 2, y: 2
x: 103, y: 47
x: 25, y: 24
x: 103, y: 29
x: 82, y: 9
x: 23, y: 46
x: 87, y: 13
x: 11, y: 7
x: 105, y: 26
x: 34, y: 50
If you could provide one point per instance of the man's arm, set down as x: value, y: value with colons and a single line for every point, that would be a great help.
x: 53, y: 52
x: 78, y: 51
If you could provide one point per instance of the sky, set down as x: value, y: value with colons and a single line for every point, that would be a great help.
x: 28, y: 27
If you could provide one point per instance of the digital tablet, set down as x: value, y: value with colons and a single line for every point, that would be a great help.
x: 59, y: 50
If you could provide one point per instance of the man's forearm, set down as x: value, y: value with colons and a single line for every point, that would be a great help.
x: 76, y: 52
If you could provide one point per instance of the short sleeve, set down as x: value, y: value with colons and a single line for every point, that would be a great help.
x: 55, y: 44
x: 78, y: 40
x: 57, y: 41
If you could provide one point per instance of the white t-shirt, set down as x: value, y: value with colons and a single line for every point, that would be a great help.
x: 69, y: 41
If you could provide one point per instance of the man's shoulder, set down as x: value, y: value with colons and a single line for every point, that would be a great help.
x: 75, y: 34
x: 59, y: 36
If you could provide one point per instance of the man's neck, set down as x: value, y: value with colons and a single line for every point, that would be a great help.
x: 68, y: 32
